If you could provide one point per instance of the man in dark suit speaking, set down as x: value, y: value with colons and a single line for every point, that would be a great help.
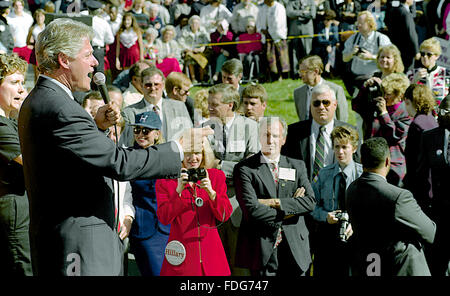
x: 69, y: 162
x: 389, y: 226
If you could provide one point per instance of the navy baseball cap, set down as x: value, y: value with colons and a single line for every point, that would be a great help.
x: 148, y: 119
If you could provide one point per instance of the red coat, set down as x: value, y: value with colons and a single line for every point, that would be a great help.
x: 182, y: 214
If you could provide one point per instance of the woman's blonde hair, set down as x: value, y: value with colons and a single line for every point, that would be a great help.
x: 392, y: 50
x: 433, y: 45
x: 208, y: 157
x: 421, y: 97
x: 395, y: 84
x: 201, y: 102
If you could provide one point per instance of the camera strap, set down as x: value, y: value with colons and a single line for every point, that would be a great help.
x: 195, y: 208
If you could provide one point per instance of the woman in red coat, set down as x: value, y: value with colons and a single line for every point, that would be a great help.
x: 192, y: 209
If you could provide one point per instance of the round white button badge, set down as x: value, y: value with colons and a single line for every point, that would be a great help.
x: 175, y: 252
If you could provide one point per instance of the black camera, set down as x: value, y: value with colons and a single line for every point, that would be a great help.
x: 196, y: 174
x: 360, y: 50
x: 343, y: 225
x: 374, y: 91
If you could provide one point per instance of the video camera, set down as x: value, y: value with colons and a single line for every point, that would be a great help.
x: 343, y: 225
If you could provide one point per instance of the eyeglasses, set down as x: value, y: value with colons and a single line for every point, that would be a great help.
x: 325, y: 103
x: 145, y: 131
x: 428, y: 54
x: 150, y: 85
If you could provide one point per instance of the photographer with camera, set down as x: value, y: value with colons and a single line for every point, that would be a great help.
x: 333, y: 228
x: 360, y: 51
x: 389, y: 61
x: 391, y: 121
x: 192, y: 204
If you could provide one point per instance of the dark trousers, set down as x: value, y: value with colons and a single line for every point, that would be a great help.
x: 281, y: 263
x: 331, y: 257
x: 15, y: 257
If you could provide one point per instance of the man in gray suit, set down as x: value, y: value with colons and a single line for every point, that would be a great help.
x: 311, y: 69
x: 173, y: 114
x: 69, y: 163
x: 235, y: 138
x: 301, y: 14
x: 389, y: 227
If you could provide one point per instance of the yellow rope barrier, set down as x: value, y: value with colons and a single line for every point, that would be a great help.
x: 288, y: 37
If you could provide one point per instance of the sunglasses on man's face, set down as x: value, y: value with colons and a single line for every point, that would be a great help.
x: 145, y: 131
x: 428, y: 54
x: 325, y: 103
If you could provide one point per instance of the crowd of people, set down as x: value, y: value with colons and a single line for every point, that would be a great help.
x: 209, y: 184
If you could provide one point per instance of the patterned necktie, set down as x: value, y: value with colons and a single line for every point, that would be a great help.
x: 156, y: 109
x: 319, y: 158
x: 274, y: 168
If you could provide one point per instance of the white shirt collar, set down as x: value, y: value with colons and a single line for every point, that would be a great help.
x: 328, y: 127
x: 65, y: 88
x: 267, y: 160
x: 230, y: 123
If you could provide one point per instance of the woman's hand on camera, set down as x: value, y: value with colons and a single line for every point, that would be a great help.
x: 205, y: 184
x: 372, y: 81
x: 380, y: 104
x: 182, y: 180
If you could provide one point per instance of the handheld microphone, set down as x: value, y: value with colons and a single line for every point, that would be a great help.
x: 100, y: 80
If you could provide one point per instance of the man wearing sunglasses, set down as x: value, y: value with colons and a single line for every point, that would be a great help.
x: 173, y: 114
x: 433, y: 174
x: 303, y: 136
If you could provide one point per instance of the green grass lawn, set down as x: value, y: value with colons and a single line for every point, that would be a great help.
x: 281, y: 102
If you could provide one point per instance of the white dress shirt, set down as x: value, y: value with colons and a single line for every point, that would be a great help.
x: 266, y: 20
x: 103, y: 34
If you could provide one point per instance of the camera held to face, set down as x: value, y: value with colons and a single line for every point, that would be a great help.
x: 343, y: 225
x: 196, y: 174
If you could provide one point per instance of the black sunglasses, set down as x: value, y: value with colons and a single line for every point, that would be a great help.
x: 144, y: 130
x: 428, y: 54
x: 325, y: 103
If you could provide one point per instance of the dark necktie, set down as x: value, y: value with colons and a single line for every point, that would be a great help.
x: 224, y: 140
x: 319, y: 158
x: 448, y: 150
x: 341, y: 193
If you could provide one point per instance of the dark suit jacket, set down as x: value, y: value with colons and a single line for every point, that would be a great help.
x: 419, y: 124
x: 67, y: 165
x: 387, y: 220
x: 298, y: 144
x: 433, y: 176
x: 402, y: 32
x: 253, y: 180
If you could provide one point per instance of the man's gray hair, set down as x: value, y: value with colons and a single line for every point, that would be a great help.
x: 266, y: 121
x: 322, y: 89
x: 62, y: 35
